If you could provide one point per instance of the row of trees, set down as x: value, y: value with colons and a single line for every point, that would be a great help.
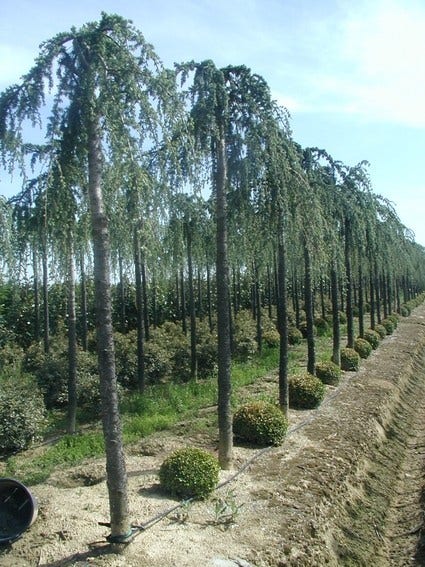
x: 186, y: 187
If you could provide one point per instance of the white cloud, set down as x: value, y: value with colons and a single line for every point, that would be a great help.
x: 372, y: 64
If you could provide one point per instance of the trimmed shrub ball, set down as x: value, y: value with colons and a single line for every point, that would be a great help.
x: 189, y: 473
x: 261, y: 423
x: 271, y: 337
x: 350, y: 359
x: 328, y: 372
x: 389, y: 325
x: 294, y: 336
x: 305, y: 391
x: 380, y: 329
x: 372, y: 337
x: 362, y: 347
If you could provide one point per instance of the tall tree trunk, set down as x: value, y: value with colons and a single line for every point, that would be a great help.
x: 296, y: 300
x: 155, y: 316
x: 115, y: 461
x: 200, y: 297
x: 377, y: 293
x: 308, y: 299
x: 349, y: 286
x: 84, y: 326
x: 36, y: 295
x: 46, y: 329
x: 192, y: 312
x: 121, y: 294
x: 258, y: 314
x: 139, y: 309
x: 282, y: 319
x: 269, y: 292
x: 336, y: 334
x: 225, y: 444
x: 72, y: 341
x: 372, y: 298
x: 183, y: 301
x: 177, y: 297
x: 144, y: 282
x: 361, y: 301
x: 209, y: 302
x: 322, y: 299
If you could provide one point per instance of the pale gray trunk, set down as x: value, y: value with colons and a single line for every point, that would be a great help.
x: 115, y: 461
x: 72, y: 340
x: 282, y: 318
x: 225, y: 444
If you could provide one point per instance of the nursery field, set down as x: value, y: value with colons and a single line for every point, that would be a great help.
x: 345, y: 487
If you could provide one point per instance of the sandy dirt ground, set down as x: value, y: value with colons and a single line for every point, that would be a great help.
x: 345, y: 488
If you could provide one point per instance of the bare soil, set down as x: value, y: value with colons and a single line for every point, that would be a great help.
x: 345, y: 488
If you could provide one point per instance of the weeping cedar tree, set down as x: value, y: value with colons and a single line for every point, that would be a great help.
x: 229, y: 108
x: 106, y: 79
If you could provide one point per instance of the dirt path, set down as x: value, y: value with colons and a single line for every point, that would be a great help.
x: 345, y: 488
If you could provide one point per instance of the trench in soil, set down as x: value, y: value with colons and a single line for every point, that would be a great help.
x: 384, y: 523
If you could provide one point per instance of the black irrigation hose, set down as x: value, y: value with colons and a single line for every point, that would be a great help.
x: 136, y: 529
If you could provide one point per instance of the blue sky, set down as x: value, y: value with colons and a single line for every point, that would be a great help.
x: 351, y: 73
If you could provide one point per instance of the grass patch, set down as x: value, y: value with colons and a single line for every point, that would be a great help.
x: 68, y: 451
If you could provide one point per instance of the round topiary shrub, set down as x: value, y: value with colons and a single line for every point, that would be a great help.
x: 350, y: 359
x: 261, y: 423
x: 389, y: 325
x: 22, y: 413
x: 294, y: 336
x: 189, y: 473
x: 362, y: 347
x: 328, y: 372
x: 380, y: 329
x: 405, y: 310
x: 271, y: 337
x: 372, y: 337
x: 394, y: 318
x: 305, y: 391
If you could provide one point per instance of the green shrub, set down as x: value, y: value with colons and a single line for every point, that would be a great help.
x: 167, y: 354
x: 342, y: 317
x: 350, y: 359
x: 52, y: 379
x: 10, y: 356
x: 244, y: 337
x: 206, y: 349
x: 158, y: 363
x: 305, y: 391
x: 405, y: 310
x: 394, y: 318
x: 372, y: 337
x: 328, y: 372
x: 389, y: 325
x: 261, y: 423
x: 189, y: 472
x: 271, y: 337
x: 322, y: 326
x: 381, y: 330
x: 22, y: 412
x: 362, y: 347
x: 294, y: 336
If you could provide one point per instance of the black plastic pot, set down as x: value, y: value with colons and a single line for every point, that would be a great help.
x: 18, y: 510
